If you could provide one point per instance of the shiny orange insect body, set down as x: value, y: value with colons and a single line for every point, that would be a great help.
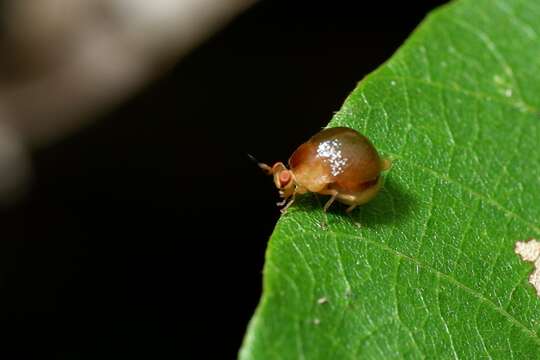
x: 339, y: 162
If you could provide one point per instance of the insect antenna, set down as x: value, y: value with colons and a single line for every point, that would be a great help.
x: 267, y: 169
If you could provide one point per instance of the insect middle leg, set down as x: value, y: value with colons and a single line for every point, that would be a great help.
x: 334, y: 193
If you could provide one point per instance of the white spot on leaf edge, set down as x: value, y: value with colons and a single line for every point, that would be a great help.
x: 530, y: 251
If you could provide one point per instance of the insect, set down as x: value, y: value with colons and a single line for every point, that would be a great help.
x: 339, y: 162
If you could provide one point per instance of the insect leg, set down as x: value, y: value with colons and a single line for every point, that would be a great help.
x: 284, y: 209
x: 334, y: 194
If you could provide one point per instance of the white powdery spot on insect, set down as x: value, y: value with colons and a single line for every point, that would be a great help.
x: 330, y: 151
x: 530, y: 251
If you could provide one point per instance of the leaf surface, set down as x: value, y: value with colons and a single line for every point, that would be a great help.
x: 427, y: 269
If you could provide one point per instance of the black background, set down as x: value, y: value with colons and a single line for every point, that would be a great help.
x: 144, y: 235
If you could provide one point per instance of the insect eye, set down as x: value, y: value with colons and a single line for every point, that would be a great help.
x: 284, y: 178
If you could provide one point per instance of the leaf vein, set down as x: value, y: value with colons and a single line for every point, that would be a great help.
x: 453, y: 281
x: 520, y: 106
x: 471, y: 191
x: 445, y: 324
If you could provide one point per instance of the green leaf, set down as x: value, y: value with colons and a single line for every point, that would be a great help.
x: 427, y: 269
